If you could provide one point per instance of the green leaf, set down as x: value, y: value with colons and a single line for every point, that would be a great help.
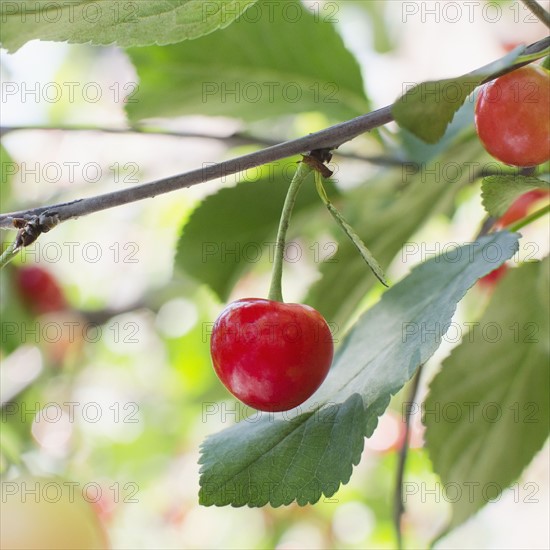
x: 386, y: 212
x: 7, y: 169
x: 499, y: 192
x: 276, y: 460
x: 427, y: 108
x: 105, y: 22
x: 279, y: 461
x: 232, y: 230
x: 383, y: 40
x: 13, y: 313
x: 277, y: 59
x: 423, y: 152
x: 533, y: 56
x: 487, y: 412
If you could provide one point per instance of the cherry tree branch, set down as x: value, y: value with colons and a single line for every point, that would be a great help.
x: 329, y: 138
x: 538, y: 11
x: 234, y: 139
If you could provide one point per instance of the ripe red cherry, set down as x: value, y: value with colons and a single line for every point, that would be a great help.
x: 39, y: 290
x: 271, y: 355
x: 512, y: 116
x: 520, y: 207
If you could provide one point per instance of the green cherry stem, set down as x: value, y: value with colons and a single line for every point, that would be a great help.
x: 531, y: 218
x: 275, y: 290
x: 8, y: 255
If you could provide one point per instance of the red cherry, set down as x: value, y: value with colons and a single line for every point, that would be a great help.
x: 520, y: 207
x: 512, y: 116
x: 271, y: 355
x: 491, y: 279
x: 39, y: 290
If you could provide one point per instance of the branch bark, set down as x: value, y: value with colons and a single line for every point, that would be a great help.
x: 329, y: 138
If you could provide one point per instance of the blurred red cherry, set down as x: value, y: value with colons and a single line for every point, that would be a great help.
x: 491, y: 279
x: 39, y: 290
x: 512, y: 116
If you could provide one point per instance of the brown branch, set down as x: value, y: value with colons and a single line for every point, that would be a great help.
x: 329, y: 138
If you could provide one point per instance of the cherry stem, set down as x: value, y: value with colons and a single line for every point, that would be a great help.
x: 531, y: 218
x: 8, y: 255
x: 275, y: 290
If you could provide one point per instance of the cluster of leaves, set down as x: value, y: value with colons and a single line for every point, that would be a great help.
x: 275, y: 460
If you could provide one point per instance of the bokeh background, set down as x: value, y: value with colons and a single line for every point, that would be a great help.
x: 125, y: 406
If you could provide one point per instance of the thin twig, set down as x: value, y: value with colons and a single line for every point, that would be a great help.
x: 235, y: 139
x: 399, y: 505
x: 538, y: 11
x: 329, y: 138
